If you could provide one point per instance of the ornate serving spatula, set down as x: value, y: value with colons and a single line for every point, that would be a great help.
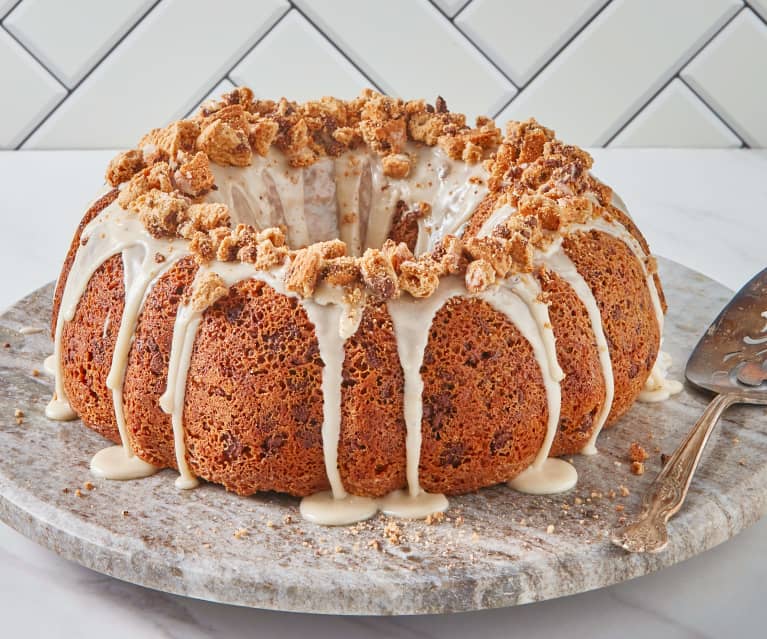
x: 729, y: 360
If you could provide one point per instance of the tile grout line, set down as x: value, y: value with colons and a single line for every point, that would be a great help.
x: 33, y: 56
x: 717, y: 115
x: 10, y: 11
x: 335, y: 46
x: 227, y: 74
x: 756, y: 13
x: 460, y: 11
x: 99, y: 62
x: 676, y: 74
x: 474, y: 44
x: 555, y: 55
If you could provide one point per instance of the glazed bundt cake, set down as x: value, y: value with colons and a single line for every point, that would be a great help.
x: 367, y: 304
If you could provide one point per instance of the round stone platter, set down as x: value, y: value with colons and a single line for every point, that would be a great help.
x: 494, y: 548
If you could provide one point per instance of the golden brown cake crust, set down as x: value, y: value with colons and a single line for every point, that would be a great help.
x: 371, y: 449
x: 88, y: 343
x: 253, y: 409
x: 615, y: 276
x: 583, y: 388
x: 484, y: 420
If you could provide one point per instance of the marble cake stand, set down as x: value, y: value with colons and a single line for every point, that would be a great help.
x: 495, y: 548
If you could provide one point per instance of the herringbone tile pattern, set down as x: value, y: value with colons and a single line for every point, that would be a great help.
x: 94, y: 74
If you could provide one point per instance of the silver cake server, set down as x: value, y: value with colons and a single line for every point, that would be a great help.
x: 729, y: 360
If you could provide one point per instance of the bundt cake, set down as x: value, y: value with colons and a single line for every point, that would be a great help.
x: 368, y: 304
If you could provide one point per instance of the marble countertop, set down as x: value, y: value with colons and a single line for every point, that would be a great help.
x: 704, y: 209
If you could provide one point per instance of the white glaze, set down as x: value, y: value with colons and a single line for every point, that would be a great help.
x: 505, y: 300
x: 116, y: 462
x: 552, y: 476
x: 140, y: 271
x: 350, y: 197
x: 31, y: 330
x: 658, y: 387
x: 563, y: 266
x: 49, y: 365
x: 111, y: 232
x: 411, y: 329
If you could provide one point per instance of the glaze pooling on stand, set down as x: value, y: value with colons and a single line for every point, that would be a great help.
x: 115, y: 462
x: 658, y: 387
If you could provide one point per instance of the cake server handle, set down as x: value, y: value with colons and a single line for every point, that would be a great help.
x: 667, y: 493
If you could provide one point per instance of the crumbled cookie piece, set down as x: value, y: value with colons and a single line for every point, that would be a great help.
x: 177, y: 136
x: 420, y: 278
x: 493, y: 250
x: 435, y: 518
x: 304, y: 272
x: 637, y: 468
x: 396, y: 254
x: 393, y: 532
x: 208, y: 289
x: 155, y: 177
x: 637, y: 453
x: 160, y: 212
x: 378, y: 274
x: 204, y: 217
x: 201, y: 247
x: 124, y: 166
x: 194, y: 176
x: 396, y: 165
x: 342, y: 271
x: 330, y: 249
x: 480, y: 274
x: 225, y: 145
x: 261, y: 133
x: 449, y: 254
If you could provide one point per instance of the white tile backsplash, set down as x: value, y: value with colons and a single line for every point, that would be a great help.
x: 295, y: 49
x: 616, y: 64
x: 676, y: 117
x: 93, y: 74
x: 521, y: 36
x: 760, y: 6
x: 451, y: 7
x: 31, y: 92
x: 411, y: 50
x: 158, y: 72
x: 71, y: 37
x: 6, y: 6
x: 731, y: 75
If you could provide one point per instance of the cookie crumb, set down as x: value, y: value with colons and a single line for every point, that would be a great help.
x: 435, y: 518
x: 637, y: 453
x: 79, y: 493
x: 637, y: 468
x: 88, y: 485
x: 625, y: 492
x: 375, y: 544
x: 550, y: 529
x: 241, y: 533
